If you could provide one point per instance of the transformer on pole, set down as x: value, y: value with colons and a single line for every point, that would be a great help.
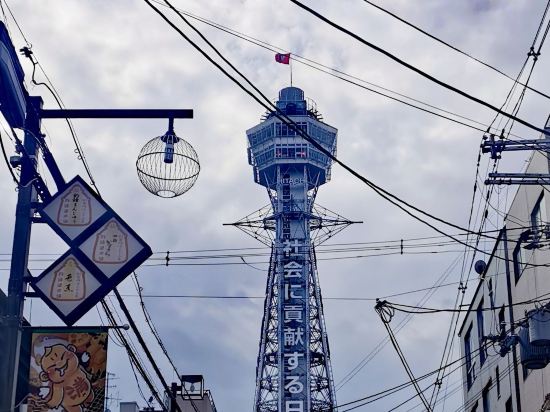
x: 294, y: 371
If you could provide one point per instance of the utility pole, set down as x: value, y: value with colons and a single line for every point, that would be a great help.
x: 25, y: 112
x: 31, y: 188
x: 26, y: 201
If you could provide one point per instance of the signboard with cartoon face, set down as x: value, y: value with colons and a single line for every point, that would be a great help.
x: 103, y: 251
x: 67, y: 370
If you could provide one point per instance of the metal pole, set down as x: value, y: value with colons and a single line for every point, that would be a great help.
x: 116, y: 113
x: 511, y: 314
x: 173, y: 403
x: 20, y: 255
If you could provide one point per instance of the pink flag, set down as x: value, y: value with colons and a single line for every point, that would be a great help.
x: 282, y: 58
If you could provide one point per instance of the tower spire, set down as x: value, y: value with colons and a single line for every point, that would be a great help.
x: 294, y: 371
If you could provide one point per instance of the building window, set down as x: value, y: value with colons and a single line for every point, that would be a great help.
x: 518, y: 261
x: 497, y: 380
x: 480, y: 334
x: 538, y: 215
x: 508, y: 405
x: 470, y: 372
x: 501, y: 321
x: 486, y: 400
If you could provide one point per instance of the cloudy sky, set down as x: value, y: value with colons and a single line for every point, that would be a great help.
x: 105, y: 54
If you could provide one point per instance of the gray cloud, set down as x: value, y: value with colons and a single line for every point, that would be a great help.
x: 120, y: 54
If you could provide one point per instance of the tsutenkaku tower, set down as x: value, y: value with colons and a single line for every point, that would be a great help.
x: 293, y: 372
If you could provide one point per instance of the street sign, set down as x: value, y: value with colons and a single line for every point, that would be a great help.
x: 103, y: 251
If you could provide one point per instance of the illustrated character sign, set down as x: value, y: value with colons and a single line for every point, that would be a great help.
x: 68, y: 384
x: 68, y: 371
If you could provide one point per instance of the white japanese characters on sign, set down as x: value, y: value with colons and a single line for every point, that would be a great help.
x: 294, y: 292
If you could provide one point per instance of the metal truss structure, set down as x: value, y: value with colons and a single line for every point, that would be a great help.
x: 293, y: 371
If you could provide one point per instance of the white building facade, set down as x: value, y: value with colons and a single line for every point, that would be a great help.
x: 515, y: 275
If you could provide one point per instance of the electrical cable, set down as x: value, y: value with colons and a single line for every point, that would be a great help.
x: 165, y: 18
x: 417, y: 70
x: 16, y: 23
x: 425, y: 310
x: 81, y: 157
x: 381, y: 344
x: 132, y: 356
x: 454, y: 321
x: 144, y: 347
x: 331, y: 71
x: 394, y: 389
x: 402, y: 358
x: 453, y: 47
x: 155, y: 333
x: 277, y: 113
x: 27, y: 52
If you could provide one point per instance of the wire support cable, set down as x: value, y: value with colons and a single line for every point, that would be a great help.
x: 385, y: 314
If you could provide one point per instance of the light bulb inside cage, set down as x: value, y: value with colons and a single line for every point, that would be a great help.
x: 169, y: 139
x: 167, y: 165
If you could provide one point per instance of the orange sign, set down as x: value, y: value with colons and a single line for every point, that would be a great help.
x: 67, y: 371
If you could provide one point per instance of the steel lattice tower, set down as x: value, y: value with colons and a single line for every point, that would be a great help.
x: 293, y: 372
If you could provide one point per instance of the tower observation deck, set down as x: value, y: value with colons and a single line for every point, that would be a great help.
x: 293, y: 372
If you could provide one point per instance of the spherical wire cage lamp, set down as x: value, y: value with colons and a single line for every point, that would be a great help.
x: 168, y: 166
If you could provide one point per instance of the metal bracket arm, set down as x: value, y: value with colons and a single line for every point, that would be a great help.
x: 116, y: 114
x: 495, y: 147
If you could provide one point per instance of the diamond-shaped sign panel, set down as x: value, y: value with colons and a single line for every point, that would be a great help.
x: 103, y: 251
x: 66, y: 285
x: 111, y: 247
x: 73, y: 210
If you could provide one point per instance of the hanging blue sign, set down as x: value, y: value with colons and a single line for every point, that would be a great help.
x: 103, y: 251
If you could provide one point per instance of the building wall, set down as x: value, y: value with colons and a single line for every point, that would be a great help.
x: 492, y: 294
x: 204, y: 404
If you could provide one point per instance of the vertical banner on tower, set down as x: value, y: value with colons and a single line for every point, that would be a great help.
x: 294, y: 325
x: 68, y: 368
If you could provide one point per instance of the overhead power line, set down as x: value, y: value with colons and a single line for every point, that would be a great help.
x: 437, y: 39
x: 268, y: 105
x: 132, y: 355
x: 457, y: 363
x: 448, y: 348
x: 341, y: 75
x: 419, y: 71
